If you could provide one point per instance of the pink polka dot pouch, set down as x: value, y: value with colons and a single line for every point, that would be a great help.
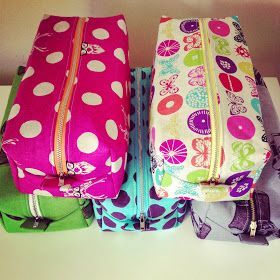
x: 67, y: 133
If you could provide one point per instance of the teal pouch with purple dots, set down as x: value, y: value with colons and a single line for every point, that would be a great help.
x: 137, y: 206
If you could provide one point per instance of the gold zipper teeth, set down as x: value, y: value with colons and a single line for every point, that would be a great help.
x: 213, y: 104
x: 34, y: 206
x: 59, y: 139
x: 253, y: 209
x: 142, y: 214
x: 253, y: 225
x: 63, y: 110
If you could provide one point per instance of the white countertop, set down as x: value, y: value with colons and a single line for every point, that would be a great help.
x: 171, y: 254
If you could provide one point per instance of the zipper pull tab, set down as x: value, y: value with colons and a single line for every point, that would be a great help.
x: 142, y: 222
x: 36, y: 223
x: 212, y: 182
x: 61, y: 179
x: 253, y: 228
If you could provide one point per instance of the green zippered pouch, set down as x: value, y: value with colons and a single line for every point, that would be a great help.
x: 34, y: 213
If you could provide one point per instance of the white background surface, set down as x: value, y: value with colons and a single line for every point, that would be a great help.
x: 259, y: 19
x: 171, y: 254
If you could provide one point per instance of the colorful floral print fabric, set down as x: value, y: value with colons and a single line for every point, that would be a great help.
x: 96, y: 122
x: 181, y: 110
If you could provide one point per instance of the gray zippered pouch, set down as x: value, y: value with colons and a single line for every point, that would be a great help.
x: 232, y: 221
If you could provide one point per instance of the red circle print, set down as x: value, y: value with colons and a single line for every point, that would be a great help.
x: 170, y: 104
x: 230, y: 82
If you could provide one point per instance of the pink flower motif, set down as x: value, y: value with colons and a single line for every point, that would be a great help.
x: 192, y: 41
x: 168, y: 85
x: 197, y: 76
x: 168, y: 48
x: 174, y: 151
x: 202, y: 146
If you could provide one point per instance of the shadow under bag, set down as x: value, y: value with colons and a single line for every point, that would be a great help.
x: 254, y: 221
x: 138, y: 207
x: 33, y: 213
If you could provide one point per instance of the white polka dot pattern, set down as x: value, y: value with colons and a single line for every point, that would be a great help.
x: 41, y: 192
x: 43, y: 89
x: 116, y: 165
x: 112, y: 129
x: 100, y: 33
x: 35, y: 171
x: 119, y: 54
x: 20, y: 173
x: 122, y: 26
x: 51, y: 158
x: 61, y: 26
x: 54, y: 57
x: 108, y: 162
x: 28, y: 73
x: 30, y: 129
x: 96, y: 66
x: 14, y: 111
x: 117, y: 88
x: 87, y: 142
x: 91, y: 98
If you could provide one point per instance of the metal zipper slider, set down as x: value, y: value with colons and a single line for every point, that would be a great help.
x: 212, y: 182
x: 61, y: 179
x: 36, y: 222
x: 253, y: 228
x: 142, y: 222
x: 253, y: 224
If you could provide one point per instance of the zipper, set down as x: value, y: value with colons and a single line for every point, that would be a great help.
x: 250, y: 236
x: 142, y: 217
x: 216, y: 141
x: 60, y: 128
x: 34, y: 208
x: 253, y: 224
x: 142, y: 222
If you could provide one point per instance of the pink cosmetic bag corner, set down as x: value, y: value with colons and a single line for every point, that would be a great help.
x: 67, y: 133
